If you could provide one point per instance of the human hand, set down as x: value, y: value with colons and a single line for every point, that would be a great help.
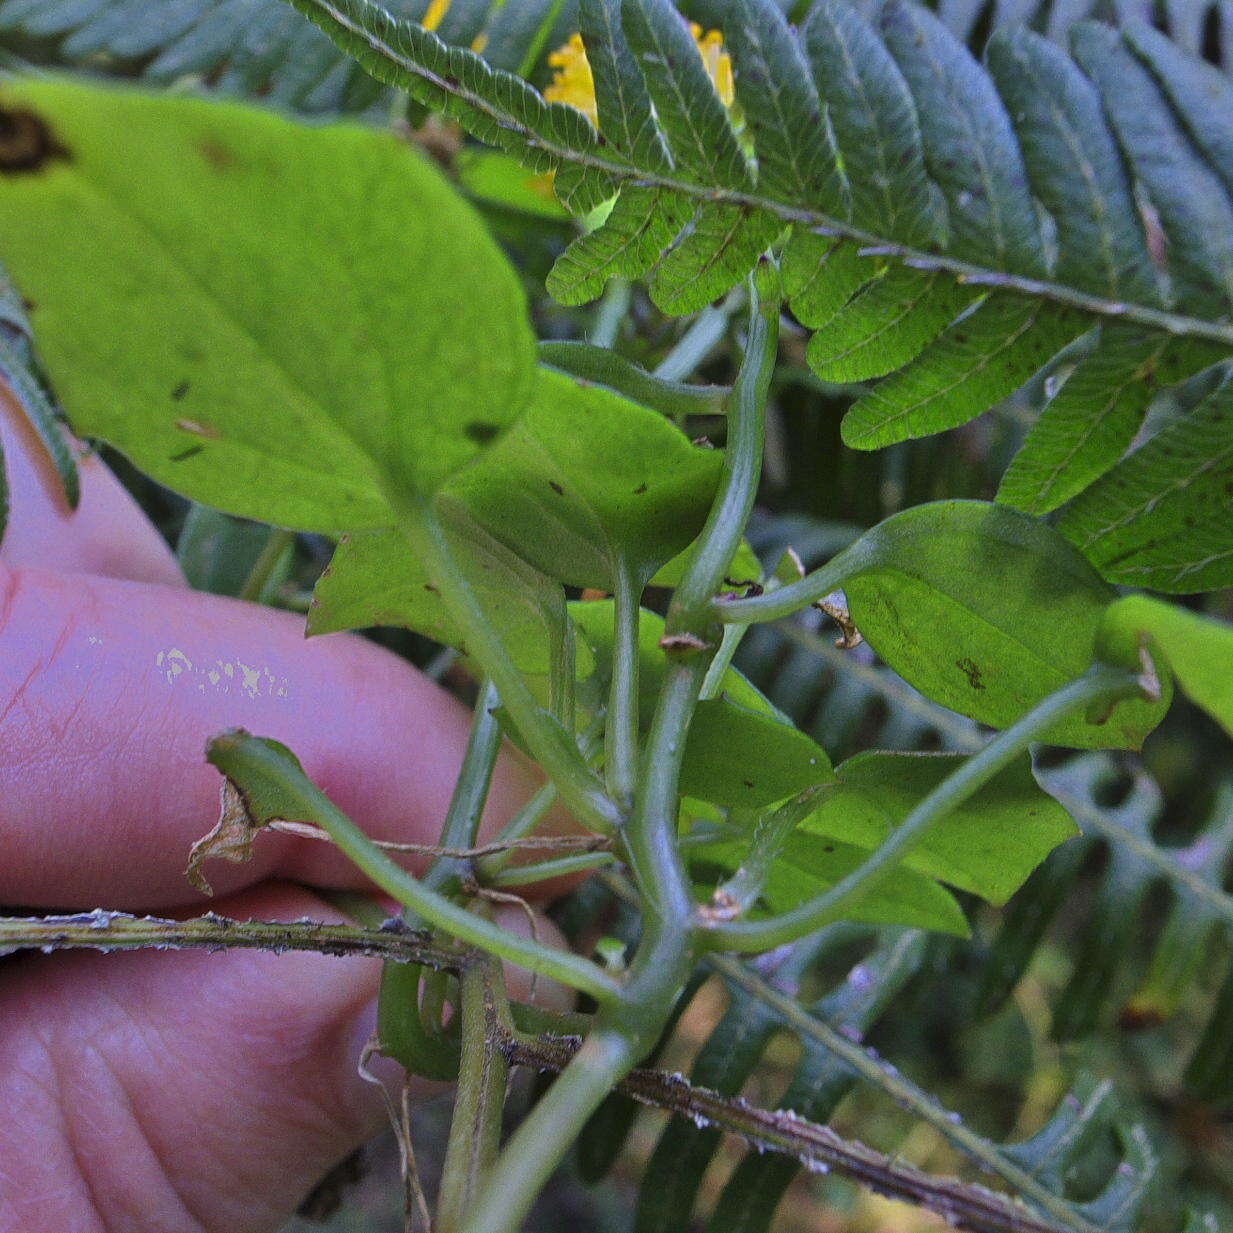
x: 175, y: 1092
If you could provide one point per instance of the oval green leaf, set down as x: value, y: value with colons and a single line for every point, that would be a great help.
x: 277, y: 320
x: 988, y: 611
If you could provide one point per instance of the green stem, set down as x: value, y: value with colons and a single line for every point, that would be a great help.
x: 705, y: 333
x: 462, y: 819
x: 611, y: 313
x: 263, y: 766
x: 784, y: 601
x: 546, y: 1134
x: 651, y: 838
x: 621, y: 729
x: 690, y: 610
x: 552, y: 746
x: 603, y: 367
x: 406, y: 1030
x: 713, y: 685
x: 628, y: 1028
x: 532, y: 813
x: 276, y: 544
x: 475, y: 1128
x: 522, y: 823
x: 624, y: 1034
x: 1101, y: 685
x: 740, y: 892
x: 545, y: 871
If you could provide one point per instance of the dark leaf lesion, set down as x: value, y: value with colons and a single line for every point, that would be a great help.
x: 27, y: 142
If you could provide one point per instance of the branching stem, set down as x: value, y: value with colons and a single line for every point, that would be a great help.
x: 260, y: 761
x: 553, y: 747
x: 1099, y: 686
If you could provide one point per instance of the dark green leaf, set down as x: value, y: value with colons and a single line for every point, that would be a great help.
x: 887, y: 324
x: 870, y: 110
x: 982, y: 358
x: 1163, y: 517
x: 1090, y: 422
x: 987, y: 611
x: 1074, y: 167
x: 689, y: 110
x: 970, y: 147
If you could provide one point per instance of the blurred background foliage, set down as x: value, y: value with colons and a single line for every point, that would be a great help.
x: 1095, y: 1012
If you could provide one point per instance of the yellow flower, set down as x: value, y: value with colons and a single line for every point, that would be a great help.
x: 573, y: 83
x: 435, y: 14
x: 717, y: 61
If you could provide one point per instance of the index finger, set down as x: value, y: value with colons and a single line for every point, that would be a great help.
x: 109, y: 690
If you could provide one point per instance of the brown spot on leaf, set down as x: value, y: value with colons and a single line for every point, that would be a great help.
x: 27, y: 142
x: 216, y: 154
x: 191, y: 452
x: 180, y: 390
x: 198, y: 429
x: 970, y: 669
x: 556, y: 488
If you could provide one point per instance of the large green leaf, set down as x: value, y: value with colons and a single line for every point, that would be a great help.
x: 987, y: 611
x: 275, y: 319
x: 1199, y: 651
x: 740, y: 757
x: 988, y: 845
x: 587, y: 480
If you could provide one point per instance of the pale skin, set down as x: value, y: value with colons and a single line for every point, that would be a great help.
x: 178, y: 1092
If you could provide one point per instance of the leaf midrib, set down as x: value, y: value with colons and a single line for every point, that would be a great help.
x: 1158, y: 319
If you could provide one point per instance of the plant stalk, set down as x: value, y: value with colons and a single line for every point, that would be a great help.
x: 483, y: 1073
x: 553, y: 747
x: 621, y: 729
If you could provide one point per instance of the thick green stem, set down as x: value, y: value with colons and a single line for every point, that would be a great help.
x: 721, y: 536
x: 537, y: 1146
x: 621, y: 730
x: 651, y: 840
x: 553, y: 747
x: 1100, y: 686
x: 475, y: 1129
x: 628, y: 1028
